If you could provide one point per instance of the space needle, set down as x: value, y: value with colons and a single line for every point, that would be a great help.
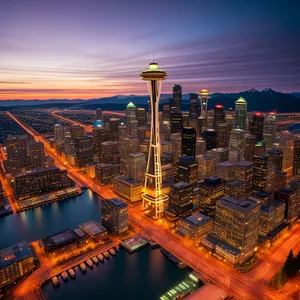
x: 153, y: 199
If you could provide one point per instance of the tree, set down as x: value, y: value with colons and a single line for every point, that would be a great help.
x: 290, y: 267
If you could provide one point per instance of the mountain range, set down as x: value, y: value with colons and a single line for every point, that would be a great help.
x: 265, y: 100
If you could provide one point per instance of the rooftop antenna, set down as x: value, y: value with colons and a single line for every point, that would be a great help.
x: 153, y: 56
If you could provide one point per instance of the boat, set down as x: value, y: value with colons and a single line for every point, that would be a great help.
x: 95, y: 260
x: 100, y: 257
x: 170, y: 256
x: 64, y: 275
x: 112, y: 251
x: 89, y: 263
x: 82, y: 267
x: 55, y: 281
x: 72, y: 273
x: 106, y: 254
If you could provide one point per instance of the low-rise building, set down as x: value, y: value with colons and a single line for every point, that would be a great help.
x: 128, y: 188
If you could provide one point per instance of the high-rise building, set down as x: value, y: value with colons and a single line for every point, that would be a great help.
x: 270, y: 129
x: 230, y: 118
x: 187, y: 169
x: 131, y: 112
x: 177, y: 96
x: 180, y: 199
x: 280, y: 179
x: 103, y: 174
x: 128, y: 188
x: 210, y: 137
x: 200, y: 126
x: 263, y: 174
x: 225, y: 170
x: 286, y: 144
x: 133, y: 128
x: 83, y: 150
x: 206, y: 166
x: 236, y: 145
x: 235, y: 189
x: 219, y: 115
x: 175, y: 121
x: 128, y: 145
x: 115, y: 216
x: 141, y: 117
x: 296, y: 165
x: 122, y: 131
x: 2, y: 196
x: 250, y: 141
x: 194, y: 108
x: 200, y: 147
x: 229, y: 213
x: 210, y: 191
x: 223, y: 134
x: 40, y: 181
x: 259, y: 149
x: 166, y: 112
x: 73, y: 131
x: 99, y: 115
x: 256, y: 126
x: 136, y: 166
x: 204, y: 96
x: 108, y: 150
x: 100, y: 135
x: 221, y: 154
x: 59, y: 134
x: 188, y: 141
x: 275, y: 155
x: 241, y: 113
x: 36, y: 152
x: 113, y: 128
x: 153, y: 198
x: 176, y: 142
x: 16, y: 262
x: 244, y: 172
x: 288, y: 196
x: 16, y: 146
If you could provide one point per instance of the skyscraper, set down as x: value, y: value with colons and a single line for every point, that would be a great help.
x: 115, y: 215
x: 210, y: 137
x: 256, y: 126
x: 175, y: 120
x: 223, y: 134
x: 59, y: 134
x: 176, y: 142
x: 296, y: 165
x: 264, y: 174
x: 204, y: 96
x: 244, y: 172
x: 194, y: 109
x: 219, y: 115
x: 177, y: 96
x: 236, y: 145
x: 99, y: 115
x: 113, y: 127
x: 37, y: 154
x: 153, y: 198
x: 180, y: 201
x: 249, y: 143
x: 241, y: 113
x: 276, y: 156
x: 187, y: 169
x: 131, y: 112
x: 83, y: 150
x: 16, y: 146
x: 188, y: 141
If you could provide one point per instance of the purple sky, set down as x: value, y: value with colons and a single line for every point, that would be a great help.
x: 95, y: 48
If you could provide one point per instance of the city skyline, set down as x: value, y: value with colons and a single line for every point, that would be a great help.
x: 86, y: 50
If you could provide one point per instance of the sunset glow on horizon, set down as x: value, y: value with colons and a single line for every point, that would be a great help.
x: 87, y: 49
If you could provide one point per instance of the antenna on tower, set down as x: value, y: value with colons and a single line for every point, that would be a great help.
x: 153, y: 56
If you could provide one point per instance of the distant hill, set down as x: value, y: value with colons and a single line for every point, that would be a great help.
x: 265, y: 100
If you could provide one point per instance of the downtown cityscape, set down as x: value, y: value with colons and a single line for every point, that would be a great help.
x: 153, y: 185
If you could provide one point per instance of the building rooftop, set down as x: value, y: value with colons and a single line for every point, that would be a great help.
x: 130, y: 105
x: 244, y: 163
x: 15, y: 253
x: 274, y: 151
x: 198, y: 219
x: 276, y: 203
x: 61, y: 237
x: 241, y: 100
x: 226, y: 164
x: 128, y: 180
x: 243, y: 206
x: 79, y: 233
x: 228, y: 248
x: 136, y: 154
x: 213, y: 181
x: 286, y: 190
x: 181, y: 185
x: 117, y: 202
x: 235, y: 183
x: 92, y: 228
x: 267, y: 208
x: 37, y: 172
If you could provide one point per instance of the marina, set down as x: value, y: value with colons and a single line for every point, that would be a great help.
x: 101, y: 279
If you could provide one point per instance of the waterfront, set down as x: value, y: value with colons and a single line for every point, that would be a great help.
x: 42, y: 221
x: 146, y: 274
